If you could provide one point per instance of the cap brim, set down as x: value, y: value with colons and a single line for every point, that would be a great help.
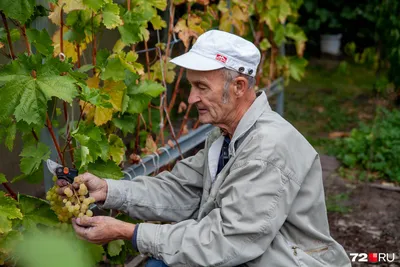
x: 194, y: 61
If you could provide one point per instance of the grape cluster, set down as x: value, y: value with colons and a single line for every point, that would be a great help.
x: 73, y: 204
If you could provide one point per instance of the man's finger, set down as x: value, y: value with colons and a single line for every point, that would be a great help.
x: 61, y: 182
x: 80, y: 231
x: 60, y: 190
x: 86, y: 221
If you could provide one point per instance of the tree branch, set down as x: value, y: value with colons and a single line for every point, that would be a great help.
x: 8, y: 35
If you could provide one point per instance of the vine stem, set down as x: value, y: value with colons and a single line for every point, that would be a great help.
x: 8, y: 35
x: 10, y: 191
x: 149, y: 77
x: 28, y: 47
x: 53, y: 137
x: 274, y: 53
x: 61, y: 31
x: 176, y: 89
x: 137, y: 135
x: 94, y: 49
x: 185, y: 118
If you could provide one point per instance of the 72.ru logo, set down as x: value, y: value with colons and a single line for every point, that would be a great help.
x: 372, y: 257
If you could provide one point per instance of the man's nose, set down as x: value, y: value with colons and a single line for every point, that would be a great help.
x: 193, y: 97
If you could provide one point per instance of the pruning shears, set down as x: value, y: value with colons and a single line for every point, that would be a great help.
x: 61, y: 171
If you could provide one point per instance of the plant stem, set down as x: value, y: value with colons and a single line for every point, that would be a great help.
x: 94, y: 49
x: 10, y: 191
x: 149, y: 77
x: 137, y: 135
x: 8, y: 35
x: 128, y: 5
x: 35, y: 135
x: 274, y: 54
x: 196, y: 125
x: 61, y: 31
x: 53, y: 137
x: 176, y: 89
x: 28, y: 46
x: 185, y: 118
x: 78, y: 51
x: 171, y: 128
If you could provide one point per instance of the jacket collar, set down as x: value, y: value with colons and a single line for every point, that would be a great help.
x: 259, y: 105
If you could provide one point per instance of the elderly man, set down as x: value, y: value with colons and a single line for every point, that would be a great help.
x: 252, y: 197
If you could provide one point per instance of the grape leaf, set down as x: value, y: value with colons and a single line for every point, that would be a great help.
x: 114, y: 69
x: 126, y: 123
x: 93, y: 144
x: 55, y: 14
x: 111, y: 18
x: 26, y: 96
x: 41, y: 40
x: 102, y: 115
x: 158, y: 22
x: 117, y: 148
x: 11, y: 132
x: 14, y: 34
x: 138, y: 103
x: 147, y: 87
x: 32, y: 157
x: 141, y: 95
x: 160, y: 4
x: 107, y: 169
x: 115, y: 247
x: 36, y: 211
x: 95, y: 252
x: 47, y: 248
x: 130, y: 33
x: 297, y: 67
x: 157, y: 71
x: 8, y: 212
x: 20, y: 10
x: 69, y: 48
x: 70, y: 5
x: 3, y: 178
x: 94, y: 4
x: 9, y: 241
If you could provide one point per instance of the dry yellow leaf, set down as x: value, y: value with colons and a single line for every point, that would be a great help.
x: 69, y: 48
x: 70, y: 5
x: 93, y: 82
x: 55, y: 14
x: 102, y: 115
x: 151, y: 146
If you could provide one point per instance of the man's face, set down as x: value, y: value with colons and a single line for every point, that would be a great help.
x: 207, y: 93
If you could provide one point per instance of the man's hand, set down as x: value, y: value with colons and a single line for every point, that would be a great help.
x: 102, y: 229
x: 96, y: 186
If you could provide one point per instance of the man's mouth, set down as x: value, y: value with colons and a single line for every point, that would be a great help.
x: 202, y: 110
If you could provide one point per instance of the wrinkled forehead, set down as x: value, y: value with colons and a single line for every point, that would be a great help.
x: 208, y: 77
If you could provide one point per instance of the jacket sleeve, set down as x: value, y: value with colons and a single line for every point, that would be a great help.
x: 169, y: 196
x: 253, y: 202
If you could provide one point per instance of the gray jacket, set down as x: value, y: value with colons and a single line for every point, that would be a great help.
x: 265, y: 208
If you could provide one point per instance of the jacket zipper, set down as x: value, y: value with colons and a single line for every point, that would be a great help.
x: 294, y: 250
x: 308, y: 251
x: 316, y: 250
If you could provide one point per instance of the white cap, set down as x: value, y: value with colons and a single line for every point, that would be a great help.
x: 217, y: 49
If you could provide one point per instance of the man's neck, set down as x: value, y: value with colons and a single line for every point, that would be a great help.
x: 230, y: 127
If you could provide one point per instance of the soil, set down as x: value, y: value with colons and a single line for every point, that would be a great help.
x: 370, y: 218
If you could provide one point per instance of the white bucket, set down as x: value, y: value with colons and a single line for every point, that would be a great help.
x: 330, y: 44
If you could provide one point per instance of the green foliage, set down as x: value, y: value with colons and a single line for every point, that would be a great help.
x: 374, y: 147
x: 20, y: 10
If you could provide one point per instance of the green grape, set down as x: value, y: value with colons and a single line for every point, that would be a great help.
x: 73, y: 204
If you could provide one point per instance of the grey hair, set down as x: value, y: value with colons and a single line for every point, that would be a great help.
x: 229, y: 76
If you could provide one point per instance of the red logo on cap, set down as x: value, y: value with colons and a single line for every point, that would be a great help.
x: 221, y: 58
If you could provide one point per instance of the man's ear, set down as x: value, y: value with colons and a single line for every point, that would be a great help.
x: 240, y: 86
